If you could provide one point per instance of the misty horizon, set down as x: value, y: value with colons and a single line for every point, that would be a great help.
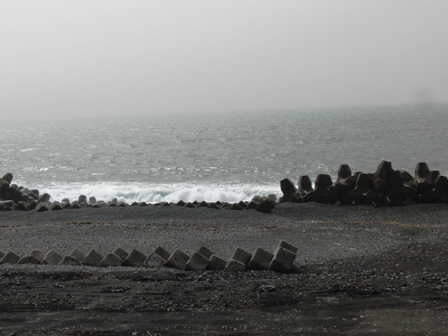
x: 108, y: 58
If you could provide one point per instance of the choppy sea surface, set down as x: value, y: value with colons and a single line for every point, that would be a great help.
x: 226, y: 157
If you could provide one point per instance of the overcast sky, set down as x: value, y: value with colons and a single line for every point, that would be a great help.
x: 99, y: 58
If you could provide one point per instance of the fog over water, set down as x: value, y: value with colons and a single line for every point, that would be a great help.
x: 79, y: 59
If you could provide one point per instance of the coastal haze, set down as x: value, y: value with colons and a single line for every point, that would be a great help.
x: 84, y: 59
x: 213, y: 100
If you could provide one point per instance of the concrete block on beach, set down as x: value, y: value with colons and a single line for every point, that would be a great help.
x: 205, y: 252
x: 29, y: 259
x: 52, y: 258
x: 111, y: 259
x: 234, y: 266
x: 38, y: 254
x: 135, y: 259
x: 67, y: 260
x: 214, y: 206
x: 164, y: 254
x: 288, y: 189
x: 217, y: 263
x: 93, y: 258
x: 79, y: 255
x: 154, y: 260
x: 10, y: 258
x: 242, y: 256
x: 121, y: 253
x: 21, y: 207
x: 1, y: 254
x: 41, y: 207
x: 197, y: 262
x: 288, y: 246
x: 178, y: 259
x: 283, y: 260
x: 265, y: 206
x: 305, y: 184
x: 56, y: 206
x: 44, y: 198
x: 235, y: 206
x: 260, y: 260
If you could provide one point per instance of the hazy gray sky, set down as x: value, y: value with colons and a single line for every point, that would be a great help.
x: 92, y: 58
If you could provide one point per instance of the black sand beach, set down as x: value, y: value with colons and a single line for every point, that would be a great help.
x: 364, y: 270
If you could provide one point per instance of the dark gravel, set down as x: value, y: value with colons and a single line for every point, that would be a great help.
x: 364, y: 271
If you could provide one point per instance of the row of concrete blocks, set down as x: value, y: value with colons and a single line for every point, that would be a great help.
x: 282, y: 260
x: 264, y: 205
x: 385, y: 187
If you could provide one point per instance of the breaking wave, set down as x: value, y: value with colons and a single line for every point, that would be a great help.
x: 137, y: 192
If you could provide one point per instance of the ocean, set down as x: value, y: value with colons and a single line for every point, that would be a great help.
x: 226, y: 157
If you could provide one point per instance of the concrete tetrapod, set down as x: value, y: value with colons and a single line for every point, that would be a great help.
x: 68, y: 260
x: 10, y: 258
x: 135, y: 259
x: 111, y: 259
x: 283, y: 260
x: 242, y: 256
x: 93, y: 258
x: 260, y: 260
x: 79, y: 255
x: 438, y: 194
x: 234, y: 266
x: 288, y: 189
x: 154, y: 260
x: 164, y: 254
x: 121, y: 253
x: 197, y: 262
x: 205, y: 252
x: 217, y: 263
x: 29, y: 259
x: 52, y: 258
x: 178, y: 259
x: 321, y: 192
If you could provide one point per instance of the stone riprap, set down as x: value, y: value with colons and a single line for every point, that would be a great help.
x: 282, y: 260
x: 385, y: 187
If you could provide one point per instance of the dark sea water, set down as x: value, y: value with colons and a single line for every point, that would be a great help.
x: 227, y: 157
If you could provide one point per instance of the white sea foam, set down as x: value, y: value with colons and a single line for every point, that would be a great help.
x: 139, y: 192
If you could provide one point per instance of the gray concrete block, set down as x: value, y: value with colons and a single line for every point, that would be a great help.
x: 10, y: 258
x: 79, y: 255
x: 135, y: 259
x: 288, y: 246
x: 111, y: 259
x: 205, y: 252
x: 197, y: 262
x: 154, y: 260
x: 178, y: 259
x: 162, y: 253
x: 68, y: 260
x: 93, y: 258
x: 241, y: 256
x: 52, y: 258
x: 261, y: 259
x: 234, y: 266
x: 56, y: 206
x: 38, y: 254
x: 2, y: 254
x: 217, y: 263
x: 283, y: 260
x: 41, y: 207
x: 29, y: 259
x: 121, y: 253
